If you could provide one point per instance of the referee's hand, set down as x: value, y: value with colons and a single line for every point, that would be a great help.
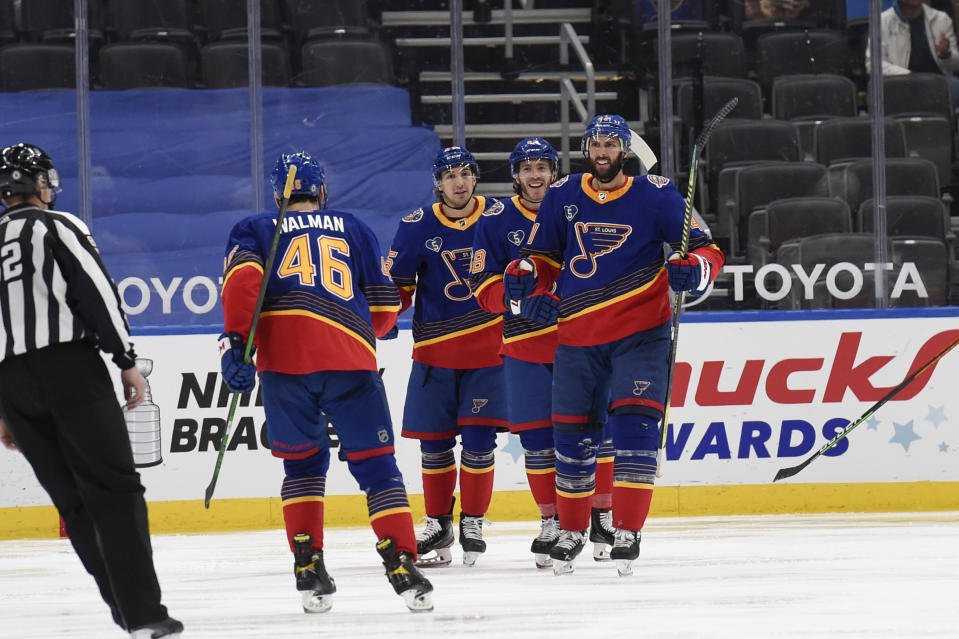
x: 6, y: 437
x: 134, y: 386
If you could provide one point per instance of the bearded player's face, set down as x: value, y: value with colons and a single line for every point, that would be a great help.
x: 605, y: 157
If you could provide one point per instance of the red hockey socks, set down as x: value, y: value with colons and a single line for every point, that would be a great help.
x: 302, y: 499
x: 439, y: 482
x: 605, y: 457
x: 390, y: 516
x: 631, y: 505
x: 476, y: 482
x: 541, y: 473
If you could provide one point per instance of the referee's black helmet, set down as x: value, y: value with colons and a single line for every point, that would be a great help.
x: 21, y: 166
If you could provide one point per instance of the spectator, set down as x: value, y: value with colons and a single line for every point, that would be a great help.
x: 777, y: 9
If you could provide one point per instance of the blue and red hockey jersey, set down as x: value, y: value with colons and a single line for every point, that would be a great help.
x: 604, y: 250
x: 431, y: 256
x: 327, y: 299
x: 500, y: 233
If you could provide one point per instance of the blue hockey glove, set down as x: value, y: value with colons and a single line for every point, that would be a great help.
x: 543, y: 308
x: 692, y: 274
x: 240, y: 376
x: 519, y: 280
x: 393, y: 333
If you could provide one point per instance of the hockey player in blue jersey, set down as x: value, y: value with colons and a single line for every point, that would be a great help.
x: 327, y: 300
x: 529, y: 345
x: 456, y: 385
x: 599, y: 236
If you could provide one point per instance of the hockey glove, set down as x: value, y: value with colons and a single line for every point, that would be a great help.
x: 519, y: 280
x: 239, y: 376
x: 692, y: 274
x: 393, y: 333
x: 543, y: 308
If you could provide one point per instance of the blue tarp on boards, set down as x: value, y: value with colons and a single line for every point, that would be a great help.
x: 171, y: 174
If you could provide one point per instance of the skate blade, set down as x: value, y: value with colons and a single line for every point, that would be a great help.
x: 542, y: 560
x: 600, y: 551
x: 470, y: 557
x: 440, y: 557
x: 624, y: 567
x: 147, y: 633
x: 417, y: 601
x: 561, y: 567
x: 316, y: 603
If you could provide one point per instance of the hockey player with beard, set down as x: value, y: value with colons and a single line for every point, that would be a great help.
x: 529, y: 344
x: 599, y: 237
x: 456, y: 384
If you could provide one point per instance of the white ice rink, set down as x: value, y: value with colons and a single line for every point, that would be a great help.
x: 876, y: 575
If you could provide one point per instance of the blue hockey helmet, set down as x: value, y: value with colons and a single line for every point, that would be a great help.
x: 450, y: 158
x: 607, y: 125
x: 309, y: 178
x: 532, y: 149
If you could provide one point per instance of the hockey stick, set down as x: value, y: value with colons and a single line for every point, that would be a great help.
x: 267, y: 267
x: 789, y: 472
x: 684, y: 246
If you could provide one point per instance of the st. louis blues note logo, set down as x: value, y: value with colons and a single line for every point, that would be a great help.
x: 478, y: 404
x: 570, y: 210
x: 658, y: 180
x: 434, y: 244
x: 640, y: 387
x: 415, y: 216
x: 458, y: 263
x: 496, y: 209
x: 596, y: 239
x: 516, y: 237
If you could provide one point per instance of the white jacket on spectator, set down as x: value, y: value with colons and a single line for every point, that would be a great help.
x: 896, y: 41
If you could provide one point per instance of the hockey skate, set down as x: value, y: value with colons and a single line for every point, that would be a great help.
x: 169, y: 628
x: 407, y: 581
x: 314, y: 583
x: 566, y: 549
x: 548, y: 534
x: 625, y: 551
x: 601, y: 533
x: 436, y: 538
x: 471, y: 538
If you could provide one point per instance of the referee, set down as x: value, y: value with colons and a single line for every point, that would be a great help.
x: 57, y: 402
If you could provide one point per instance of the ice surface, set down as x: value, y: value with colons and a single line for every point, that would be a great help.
x: 876, y: 575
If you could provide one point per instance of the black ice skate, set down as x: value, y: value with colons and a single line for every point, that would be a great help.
x: 407, y: 581
x: 436, y: 538
x: 471, y: 538
x: 566, y: 549
x: 601, y: 533
x: 548, y: 534
x: 314, y: 583
x: 625, y: 550
x: 169, y: 628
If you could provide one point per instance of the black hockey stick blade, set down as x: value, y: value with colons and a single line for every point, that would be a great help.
x: 793, y: 470
x: 716, y: 119
x: 261, y: 295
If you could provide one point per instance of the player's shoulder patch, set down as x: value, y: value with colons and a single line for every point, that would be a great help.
x: 415, y: 216
x: 496, y: 209
x: 657, y: 180
x: 560, y: 182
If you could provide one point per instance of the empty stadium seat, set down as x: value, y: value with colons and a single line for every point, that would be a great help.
x: 136, y: 19
x: 225, y: 65
x: 931, y: 258
x: 789, y: 219
x: 829, y: 249
x: 138, y: 65
x: 903, y: 176
x: 323, y: 18
x: 695, y: 53
x: 807, y: 99
x: 781, y: 53
x: 37, y: 66
x: 227, y: 19
x: 336, y: 62
x: 846, y: 139
x: 8, y: 23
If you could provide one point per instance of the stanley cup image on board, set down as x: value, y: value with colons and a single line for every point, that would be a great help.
x: 143, y: 424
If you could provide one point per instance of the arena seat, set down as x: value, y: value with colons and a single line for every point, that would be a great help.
x: 227, y: 19
x: 337, y: 62
x: 224, y: 64
x: 137, y: 65
x: 37, y: 66
x: 808, y: 99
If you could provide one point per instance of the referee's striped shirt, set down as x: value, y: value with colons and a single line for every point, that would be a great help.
x: 54, y: 287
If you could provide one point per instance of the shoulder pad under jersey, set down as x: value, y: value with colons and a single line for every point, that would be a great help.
x: 657, y: 180
x: 415, y: 216
x: 559, y: 182
x: 496, y: 209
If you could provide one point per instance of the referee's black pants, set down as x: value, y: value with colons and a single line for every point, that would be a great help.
x: 60, y: 405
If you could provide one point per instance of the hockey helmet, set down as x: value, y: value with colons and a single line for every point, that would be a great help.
x: 532, y: 149
x: 309, y: 178
x: 607, y: 125
x: 21, y: 167
x: 450, y: 158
